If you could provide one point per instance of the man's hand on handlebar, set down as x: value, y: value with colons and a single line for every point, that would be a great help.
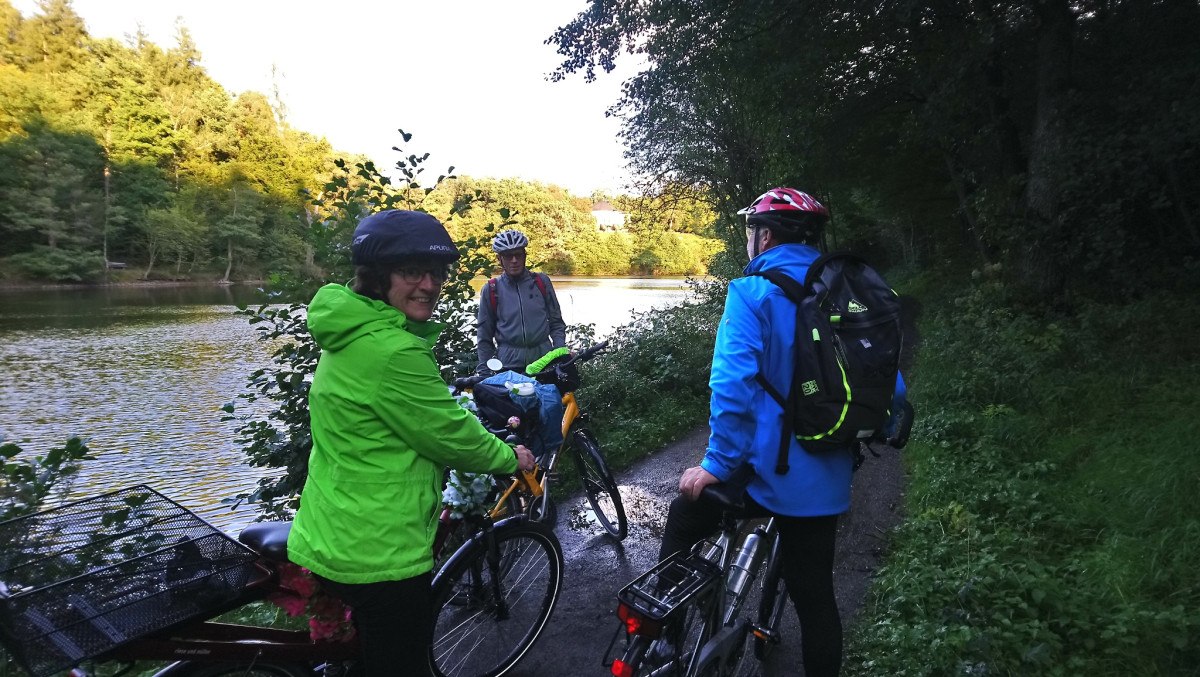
x: 525, y: 459
x: 693, y: 481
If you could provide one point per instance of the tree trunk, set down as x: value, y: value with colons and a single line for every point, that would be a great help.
x: 229, y: 261
x: 964, y: 206
x: 1180, y: 200
x: 1037, y: 265
x: 150, y: 266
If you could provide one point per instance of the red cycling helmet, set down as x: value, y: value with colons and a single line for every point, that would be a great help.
x: 791, y: 214
x: 785, y: 200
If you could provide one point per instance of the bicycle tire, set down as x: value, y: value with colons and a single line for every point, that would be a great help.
x: 599, y: 485
x: 469, y: 639
x: 224, y: 669
x: 771, y: 605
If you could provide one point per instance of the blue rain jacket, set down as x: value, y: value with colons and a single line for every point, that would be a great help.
x: 755, y: 334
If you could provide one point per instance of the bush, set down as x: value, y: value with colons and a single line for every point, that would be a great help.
x: 1049, y: 529
x: 58, y: 264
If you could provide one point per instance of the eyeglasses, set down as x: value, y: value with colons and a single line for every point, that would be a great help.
x: 513, y: 254
x: 414, y: 275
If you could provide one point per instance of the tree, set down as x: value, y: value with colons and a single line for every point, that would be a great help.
x: 1021, y: 149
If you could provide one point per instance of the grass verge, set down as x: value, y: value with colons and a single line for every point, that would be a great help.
x: 1050, y: 526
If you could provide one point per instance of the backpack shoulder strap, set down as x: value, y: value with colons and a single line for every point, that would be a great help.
x: 796, y: 293
x: 491, y: 284
x: 791, y: 288
x: 540, y: 281
x: 815, y: 268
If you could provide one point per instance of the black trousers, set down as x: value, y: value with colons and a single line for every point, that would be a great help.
x: 806, y: 546
x: 394, y: 621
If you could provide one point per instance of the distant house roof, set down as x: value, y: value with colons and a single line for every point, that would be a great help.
x: 606, y: 217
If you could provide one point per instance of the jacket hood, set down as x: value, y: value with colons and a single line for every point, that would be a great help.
x: 337, y: 316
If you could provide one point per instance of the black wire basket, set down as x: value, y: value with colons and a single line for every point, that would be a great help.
x: 80, y: 579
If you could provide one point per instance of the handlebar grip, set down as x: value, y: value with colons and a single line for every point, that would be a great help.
x: 464, y: 382
x: 900, y: 438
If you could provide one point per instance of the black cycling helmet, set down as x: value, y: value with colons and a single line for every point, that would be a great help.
x: 396, y: 234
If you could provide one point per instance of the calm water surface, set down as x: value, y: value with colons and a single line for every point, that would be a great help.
x: 143, y: 372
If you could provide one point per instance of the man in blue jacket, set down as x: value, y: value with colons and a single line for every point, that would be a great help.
x: 783, y: 227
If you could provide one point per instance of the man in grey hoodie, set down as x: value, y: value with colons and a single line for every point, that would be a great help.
x: 519, y: 318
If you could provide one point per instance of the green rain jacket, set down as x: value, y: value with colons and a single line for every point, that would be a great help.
x: 384, y: 426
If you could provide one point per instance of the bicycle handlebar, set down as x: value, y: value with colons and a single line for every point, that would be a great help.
x: 582, y: 356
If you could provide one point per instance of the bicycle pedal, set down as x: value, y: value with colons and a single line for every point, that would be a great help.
x: 765, y: 634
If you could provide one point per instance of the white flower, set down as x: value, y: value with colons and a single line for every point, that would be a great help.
x: 467, y: 493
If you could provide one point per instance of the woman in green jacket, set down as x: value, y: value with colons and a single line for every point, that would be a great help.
x: 384, y: 427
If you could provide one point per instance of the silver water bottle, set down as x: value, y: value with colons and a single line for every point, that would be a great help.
x: 741, y: 569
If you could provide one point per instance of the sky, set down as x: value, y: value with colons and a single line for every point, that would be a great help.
x: 468, y: 78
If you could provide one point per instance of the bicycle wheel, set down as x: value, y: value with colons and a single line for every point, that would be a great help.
x: 599, y: 485
x: 478, y: 634
x: 673, y: 653
x: 771, y: 606
x: 206, y: 669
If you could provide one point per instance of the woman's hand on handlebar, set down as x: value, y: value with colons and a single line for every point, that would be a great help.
x: 525, y: 459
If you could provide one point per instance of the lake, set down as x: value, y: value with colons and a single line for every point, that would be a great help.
x: 143, y: 371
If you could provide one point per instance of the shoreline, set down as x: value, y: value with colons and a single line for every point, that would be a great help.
x: 6, y: 286
x: 51, y: 286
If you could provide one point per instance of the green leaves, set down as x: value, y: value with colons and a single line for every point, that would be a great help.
x: 26, y: 483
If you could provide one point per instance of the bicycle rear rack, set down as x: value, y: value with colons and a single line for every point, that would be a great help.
x: 670, y: 585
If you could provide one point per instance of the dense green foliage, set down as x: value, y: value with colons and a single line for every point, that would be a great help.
x: 130, y: 153
x: 1050, y: 527
x: 26, y: 482
x: 1056, y: 138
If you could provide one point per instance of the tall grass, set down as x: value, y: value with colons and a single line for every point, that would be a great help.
x: 1052, y: 526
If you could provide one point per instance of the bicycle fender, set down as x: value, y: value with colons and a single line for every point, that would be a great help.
x: 722, y: 647
x: 477, y: 541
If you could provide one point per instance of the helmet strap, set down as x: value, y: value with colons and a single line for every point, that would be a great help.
x: 755, y: 251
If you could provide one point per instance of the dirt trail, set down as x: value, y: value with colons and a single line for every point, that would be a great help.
x: 597, y: 567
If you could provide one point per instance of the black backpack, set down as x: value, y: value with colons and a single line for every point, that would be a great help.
x: 846, y: 352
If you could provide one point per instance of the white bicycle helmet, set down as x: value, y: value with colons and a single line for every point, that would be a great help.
x: 508, y: 240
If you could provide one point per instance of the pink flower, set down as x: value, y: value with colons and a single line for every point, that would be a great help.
x: 293, y: 605
x: 297, y: 578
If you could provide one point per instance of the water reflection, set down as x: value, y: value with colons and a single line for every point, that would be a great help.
x: 143, y: 373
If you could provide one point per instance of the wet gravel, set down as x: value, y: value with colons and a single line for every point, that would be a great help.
x: 597, y: 566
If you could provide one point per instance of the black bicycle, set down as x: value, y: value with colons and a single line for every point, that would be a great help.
x: 685, y: 617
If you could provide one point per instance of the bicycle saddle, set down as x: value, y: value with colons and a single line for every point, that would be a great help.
x: 268, y: 539
x: 728, y: 495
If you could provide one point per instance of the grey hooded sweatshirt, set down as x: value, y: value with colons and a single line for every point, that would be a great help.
x: 524, y: 325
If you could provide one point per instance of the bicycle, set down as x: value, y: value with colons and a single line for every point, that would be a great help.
x: 597, y: 480
x: 492, y: 597
x: 684, y: 616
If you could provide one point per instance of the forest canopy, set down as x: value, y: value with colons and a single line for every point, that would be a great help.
x: 126, y: 160
x: 1054, y: 142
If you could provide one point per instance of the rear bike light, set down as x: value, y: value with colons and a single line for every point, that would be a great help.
x: 622, y: 669
x: 638, y: 624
